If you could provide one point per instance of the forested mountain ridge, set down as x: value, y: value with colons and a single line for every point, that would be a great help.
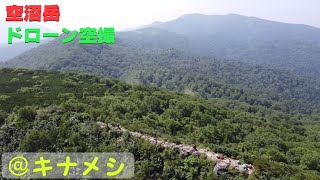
x: 258, y: 100
x: 38, y: 108
x: 153, y: 39
x: 9, y: 51
x: 288, y: 46
x: 292, y: 47
x: 204, y: 76
x: 213, y: 78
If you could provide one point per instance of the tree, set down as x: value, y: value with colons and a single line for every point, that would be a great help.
x: 294, y: 155
x: 311, y: 161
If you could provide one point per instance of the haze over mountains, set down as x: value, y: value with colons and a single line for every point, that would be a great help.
x: 9, y: 51
x: 247, y: 88
x: 177, y: 48
x: 247, y: 39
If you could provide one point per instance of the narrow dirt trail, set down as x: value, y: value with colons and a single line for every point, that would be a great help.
x: 221, y: 165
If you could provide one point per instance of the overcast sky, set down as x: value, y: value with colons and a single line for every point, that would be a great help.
x: 123, y: 14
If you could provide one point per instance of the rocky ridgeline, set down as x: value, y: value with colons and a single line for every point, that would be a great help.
x: 222, y: 164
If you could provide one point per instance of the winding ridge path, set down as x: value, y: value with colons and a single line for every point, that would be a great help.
x: 221, y: 165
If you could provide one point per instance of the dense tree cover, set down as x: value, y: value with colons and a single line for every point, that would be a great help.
x: 211, y: 78
x: 48, y: 111
x: 260, y: 114
x: 208, y: 77
x: 247, y: 39
x: 57, y: 129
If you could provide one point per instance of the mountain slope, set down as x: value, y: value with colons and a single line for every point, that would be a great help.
x: 8, y: 52
x: 219, y: 78
x: 249, y: 39
x: 58, y: 112
x: 101, y: 59
x: 212, y: 78
x: 292, y: 47
x: 23, y: 25
x: 153, y: 38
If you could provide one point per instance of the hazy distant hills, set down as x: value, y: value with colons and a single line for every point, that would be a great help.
x: 166, y: 56
x: 249, y: 39
x: 239, y: 27
x: 292, y: 47
x: 7, y: 52
x: 176, y: 70
x: 18, y: 47
x: 23, y: 25
x: 153, y: 38
x: 266, y: 116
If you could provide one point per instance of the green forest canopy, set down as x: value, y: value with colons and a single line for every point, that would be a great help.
x: 38, y: 109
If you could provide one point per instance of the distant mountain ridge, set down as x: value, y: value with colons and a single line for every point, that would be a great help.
x: 292, y: 47
x: 18, y: 47
x: 244, y: 89
x: 161, y: 57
